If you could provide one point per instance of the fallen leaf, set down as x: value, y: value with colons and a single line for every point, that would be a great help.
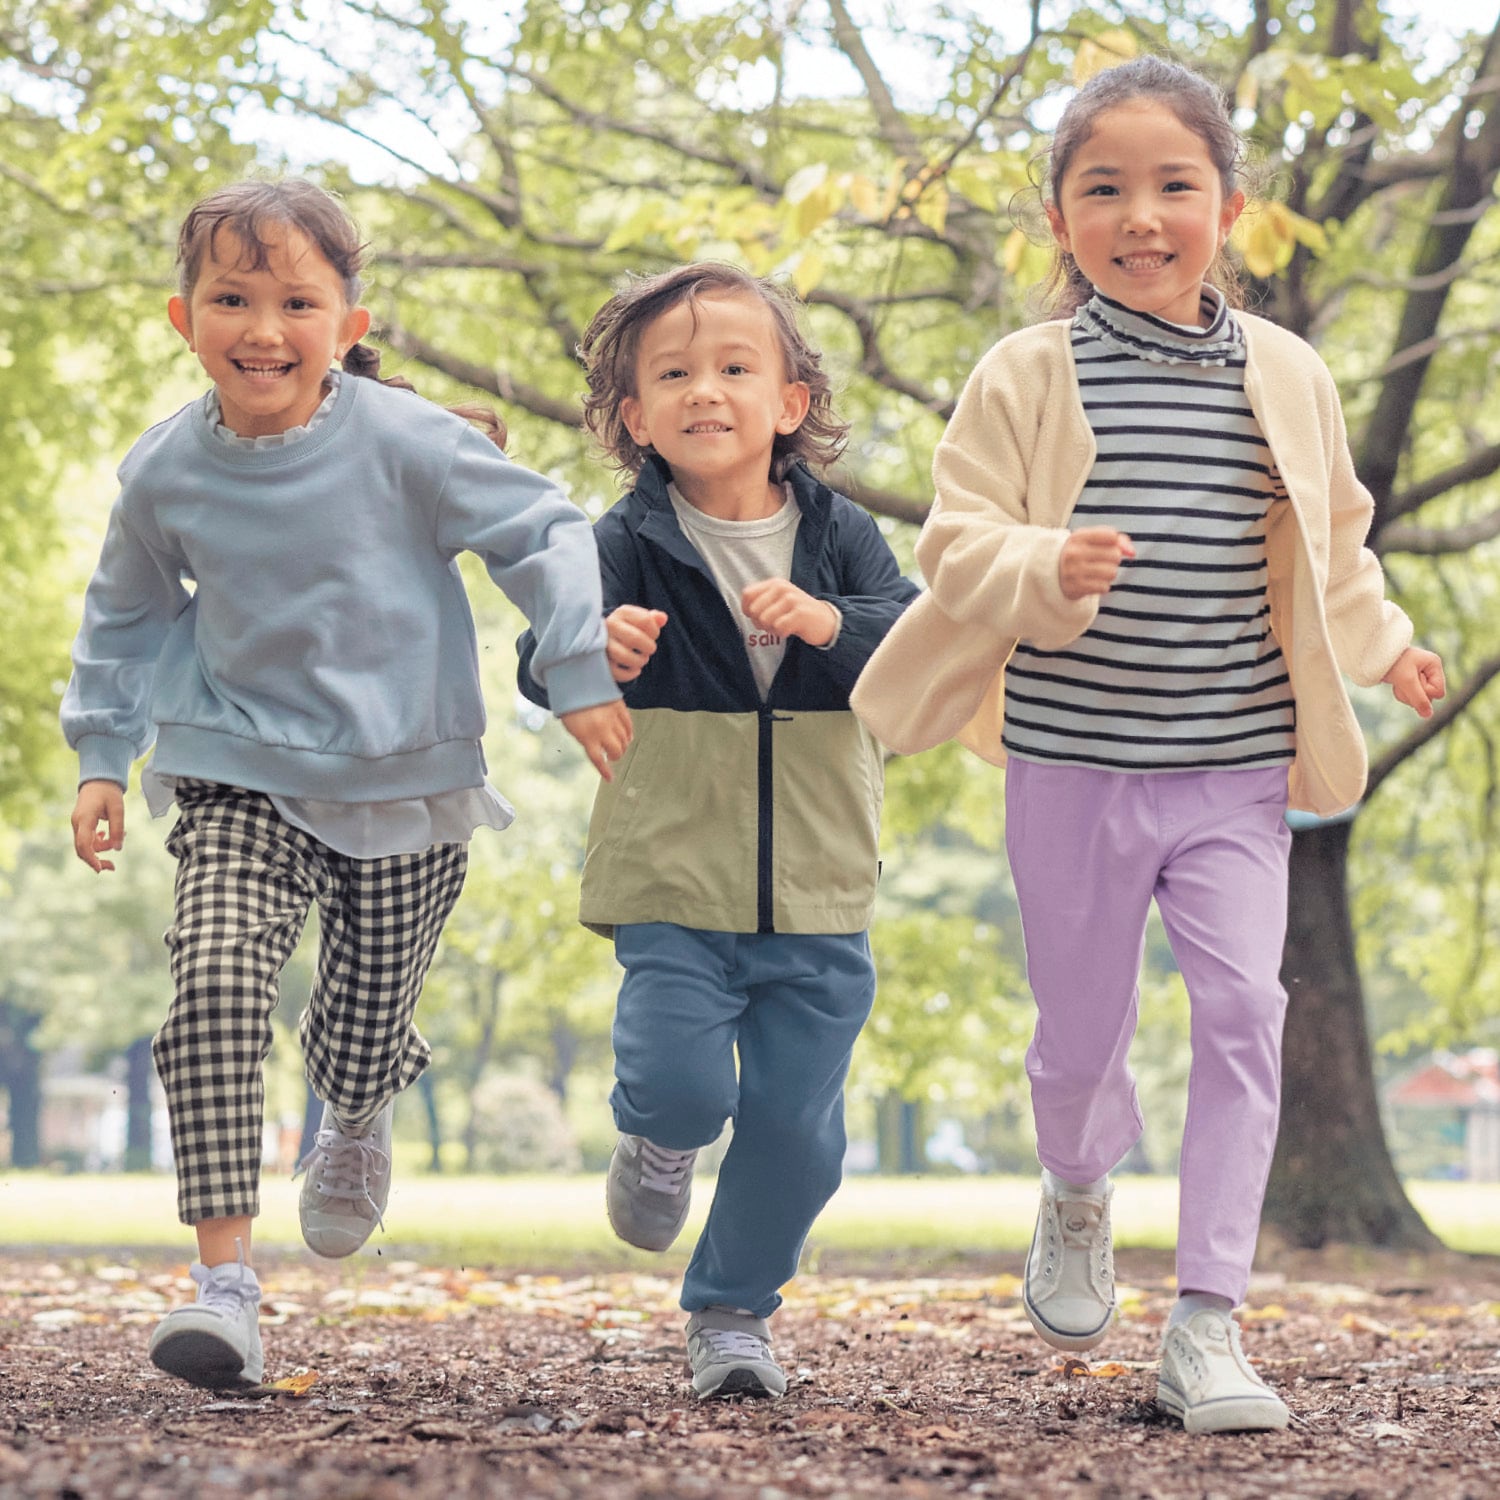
x: 295, y: 1385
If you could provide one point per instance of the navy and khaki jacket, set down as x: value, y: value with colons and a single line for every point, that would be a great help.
x: 729, y: 813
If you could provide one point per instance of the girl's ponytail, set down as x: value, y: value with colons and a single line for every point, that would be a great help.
x: 364, y: 361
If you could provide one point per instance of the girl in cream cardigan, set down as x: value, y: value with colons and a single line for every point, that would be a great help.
x: 1147, y: 578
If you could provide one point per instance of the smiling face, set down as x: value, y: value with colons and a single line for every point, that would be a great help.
x: 711, y: 395
x: 1142, y: 210
x: 267, y: 337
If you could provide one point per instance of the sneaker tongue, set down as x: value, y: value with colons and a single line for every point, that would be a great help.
x: 1077, y: 1224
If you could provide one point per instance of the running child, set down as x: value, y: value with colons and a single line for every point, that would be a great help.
x: 1150, y: 502
x: 734, y: 856
x: 278, y: 606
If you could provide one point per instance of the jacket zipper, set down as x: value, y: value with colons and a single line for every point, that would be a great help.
x: 765, y: 884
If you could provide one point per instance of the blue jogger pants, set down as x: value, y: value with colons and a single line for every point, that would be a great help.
x: 790, y: 1006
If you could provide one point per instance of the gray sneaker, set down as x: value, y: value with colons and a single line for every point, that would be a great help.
x: 1207, y: 1383
x: 215, y: 1341
x: 730, y: 1352
x: 648, y: 1192
x: 347, y: 1184
x: 1069, y: 1288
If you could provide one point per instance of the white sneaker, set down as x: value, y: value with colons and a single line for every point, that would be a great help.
x: 730, y: 1352
x: 1069, y: 1288
x: 215, y: 1341
x: 1207, y: 1383
x: 347, y: 1184
x: 648, y: 1192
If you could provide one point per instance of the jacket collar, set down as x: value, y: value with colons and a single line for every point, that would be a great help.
x: 659, y: 523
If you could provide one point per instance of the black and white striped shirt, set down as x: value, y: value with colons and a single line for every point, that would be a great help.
x: 1179, y: 670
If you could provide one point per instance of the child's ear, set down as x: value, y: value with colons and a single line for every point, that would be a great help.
x: 356, y: 326
x: 1234, y: 206
x: 1059, y: 227
x: 630, y: 415
x: 795, y: 400
x: 177, y: 311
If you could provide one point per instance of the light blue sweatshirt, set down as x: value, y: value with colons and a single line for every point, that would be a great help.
x: 326, y: 648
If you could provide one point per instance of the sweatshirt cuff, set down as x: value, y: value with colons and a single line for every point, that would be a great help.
x: 102, y: 757
x: 578, y: 682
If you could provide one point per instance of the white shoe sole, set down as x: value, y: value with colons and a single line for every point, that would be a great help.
x: 1232, y: 1414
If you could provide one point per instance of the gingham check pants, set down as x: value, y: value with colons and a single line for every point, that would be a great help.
x: 246, y: 879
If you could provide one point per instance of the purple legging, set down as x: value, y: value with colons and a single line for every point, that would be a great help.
x: 1088, y: 850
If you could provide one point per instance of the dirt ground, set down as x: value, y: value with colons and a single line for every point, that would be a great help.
x: 422, y: 1381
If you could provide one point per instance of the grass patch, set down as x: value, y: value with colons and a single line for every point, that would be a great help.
x: 541, y: 1222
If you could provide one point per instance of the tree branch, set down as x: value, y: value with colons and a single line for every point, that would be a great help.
x: 1438, y: 541
x: 894, y: 130
x: 1470, y: 184
x: 482, y: 377
x: 872, y: 361
x: 1478, y: 465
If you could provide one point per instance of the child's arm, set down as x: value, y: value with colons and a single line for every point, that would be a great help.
x: 1364, y: 626
x: 1090, y: 560
x: 603, y: 730
x: 778, y: 605
x: 988, y: 560
x: 98, y: 802
x: 133, y: 598
x: 846, y: 625
x: 633, y: 632
x: 619, y: 586
x: 539, y: 548
x: 1417, y: 678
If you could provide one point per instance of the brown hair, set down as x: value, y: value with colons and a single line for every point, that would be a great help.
x: 612, y: 339
x: 247, y: 209
x: 1197, y: 103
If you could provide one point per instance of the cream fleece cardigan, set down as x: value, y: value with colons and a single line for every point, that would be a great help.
x: 1007, y: 474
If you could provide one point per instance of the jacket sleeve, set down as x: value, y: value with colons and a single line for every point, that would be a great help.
x: 1367, y: 630
x: 872, y: 594
x: 132, y: 600
x: 985, y: 559
x: 539, y: 548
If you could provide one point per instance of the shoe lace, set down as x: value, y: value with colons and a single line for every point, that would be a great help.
x: 221, y: 1294
x: 343, y: 1165
x: 664, y: 1170
x: 735, y: 1343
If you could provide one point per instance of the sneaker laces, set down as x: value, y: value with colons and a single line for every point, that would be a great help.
x: 226, y: 1289
x: 663, y: 1170
x: 342, y: 1167
x: 735, y: 1343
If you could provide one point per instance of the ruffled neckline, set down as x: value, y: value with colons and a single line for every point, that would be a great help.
x: 1216, y: 342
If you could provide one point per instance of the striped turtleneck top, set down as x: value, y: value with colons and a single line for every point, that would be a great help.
x: 1179, y: 670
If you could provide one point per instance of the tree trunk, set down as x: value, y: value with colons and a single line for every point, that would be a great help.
x: 428, y: 1095
x: 1332, y: 1177
x: 565, y: 1048
x: 138, y: 1074
x: 900, y: 1140
x: 21, y: 1076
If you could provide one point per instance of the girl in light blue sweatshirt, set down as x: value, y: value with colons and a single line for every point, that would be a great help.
x: 278, y: 607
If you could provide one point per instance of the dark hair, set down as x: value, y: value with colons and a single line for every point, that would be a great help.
x: 247, y: 209
x: 1202, y: 108
x: 612, y: 339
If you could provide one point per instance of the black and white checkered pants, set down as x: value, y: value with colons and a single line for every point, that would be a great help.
x: 246, y: 879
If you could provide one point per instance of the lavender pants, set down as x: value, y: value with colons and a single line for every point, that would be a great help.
x: 1088, y: 850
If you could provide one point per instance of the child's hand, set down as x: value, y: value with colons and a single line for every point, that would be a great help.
x: 778, y: 605
x: 632, y: 633
x: 98, y: 802
x: 604, y: 731
x: 1090, y: 560
x: 1416, y: 679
